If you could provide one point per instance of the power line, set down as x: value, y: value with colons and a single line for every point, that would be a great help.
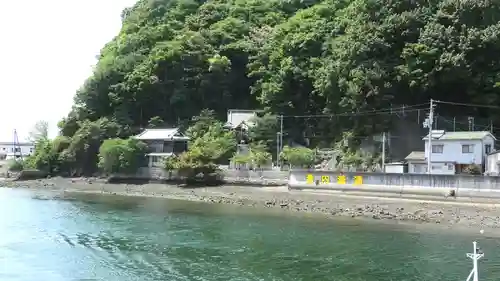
x: 468, y: 104
x: 484, y: 127
x: 389, y: 111
x: 356, y: 137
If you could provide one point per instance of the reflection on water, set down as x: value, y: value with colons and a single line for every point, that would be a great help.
x: 46, y: 236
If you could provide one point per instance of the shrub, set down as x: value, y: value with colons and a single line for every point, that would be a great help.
x: 16, y: 165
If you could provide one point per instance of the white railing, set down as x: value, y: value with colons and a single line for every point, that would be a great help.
x: 474, y: 256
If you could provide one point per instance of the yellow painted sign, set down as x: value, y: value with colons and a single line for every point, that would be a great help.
x: 309, y: 179
x: 325, y: 179
x: 358, y: 180
x: 341, y: 179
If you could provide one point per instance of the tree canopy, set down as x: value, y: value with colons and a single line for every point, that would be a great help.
x: 210, y: 144
x: 174, y: 58
x: 121, y: 156
x: 298, y: 157
x: 39, y: 132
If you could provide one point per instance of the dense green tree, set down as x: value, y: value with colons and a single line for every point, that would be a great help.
x: 155, y: 122
x: 76, y: 155
x: 201, y: 124
x: 121, y: 156
x: 257, y: 156
x: 298, y: 157
x: 210, y: 144
x: 46, y: 156
x: 264, y: 130
x: 174, y: 58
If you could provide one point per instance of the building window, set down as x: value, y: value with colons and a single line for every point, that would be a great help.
x: 156, y: 161
x: 467, y: 148
x: 487, y: 148
x: 438, y: 148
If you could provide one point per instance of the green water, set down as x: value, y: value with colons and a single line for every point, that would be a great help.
x: 113, y: 238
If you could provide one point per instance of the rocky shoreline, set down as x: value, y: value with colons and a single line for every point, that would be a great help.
x: 446, y: 211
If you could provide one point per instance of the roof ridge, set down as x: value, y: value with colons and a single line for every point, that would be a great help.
x: 150, y: 129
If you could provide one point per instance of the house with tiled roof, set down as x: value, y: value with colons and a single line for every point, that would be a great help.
x: 452, y: 152
x: 240, y: 119
x: 163, y: 143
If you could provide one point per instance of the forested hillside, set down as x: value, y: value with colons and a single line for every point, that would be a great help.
x: 174, y: 58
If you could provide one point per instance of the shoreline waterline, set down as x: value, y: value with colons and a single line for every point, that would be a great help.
x: 199, y: 207
x: 449, y: 213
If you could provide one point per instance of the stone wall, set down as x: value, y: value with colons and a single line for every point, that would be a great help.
x: 231, y: 175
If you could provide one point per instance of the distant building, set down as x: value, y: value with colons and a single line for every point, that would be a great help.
x: 163, y: 143
x: 240, y: 118
x: 452, y: 152
x: 9, y: 150
x: 417, y: 163
x: 395, y: 168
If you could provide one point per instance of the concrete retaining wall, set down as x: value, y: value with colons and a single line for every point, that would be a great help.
x: 417, y: 184
x: 279, y: 177
x: 243, y: 175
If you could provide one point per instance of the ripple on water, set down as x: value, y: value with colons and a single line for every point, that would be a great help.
x: 80, y: 240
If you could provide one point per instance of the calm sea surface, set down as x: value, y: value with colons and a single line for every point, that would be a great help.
x: 120, y: 239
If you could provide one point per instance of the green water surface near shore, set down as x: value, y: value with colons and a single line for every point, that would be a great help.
x: 119, y: 239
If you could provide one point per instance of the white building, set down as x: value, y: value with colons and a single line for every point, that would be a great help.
x: 9, y: 150
x: 417, y: 163
x: 493, y: 164
x: 452, y: 152
x: 395, y: 168
x: 163, y: 143
x: 240, y: 118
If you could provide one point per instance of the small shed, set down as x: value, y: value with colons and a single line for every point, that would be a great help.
x: 417, y: 163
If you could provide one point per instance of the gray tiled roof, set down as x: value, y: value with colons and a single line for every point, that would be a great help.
x: 160, y: 134
x: 416, y: 155
x: 466, y: 135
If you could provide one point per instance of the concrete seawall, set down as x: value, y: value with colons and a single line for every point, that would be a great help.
x: 404, y: 184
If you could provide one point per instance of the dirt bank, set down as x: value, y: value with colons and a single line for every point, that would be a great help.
x: 446, y: 211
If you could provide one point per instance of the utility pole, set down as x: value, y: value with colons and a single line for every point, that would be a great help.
x: 281, y: 133
x: 277, y: 149
x: 280, y: 142
x: 16, y: 147
x: 383, y: 152
x: 471, y: 123
x: 428, y: 124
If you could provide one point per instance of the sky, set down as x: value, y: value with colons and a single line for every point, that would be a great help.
x: 47, y: 50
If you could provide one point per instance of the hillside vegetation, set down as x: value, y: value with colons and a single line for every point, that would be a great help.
x: 174, y: 58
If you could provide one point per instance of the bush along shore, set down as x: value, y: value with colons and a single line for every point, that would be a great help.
x: 447, y: 212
